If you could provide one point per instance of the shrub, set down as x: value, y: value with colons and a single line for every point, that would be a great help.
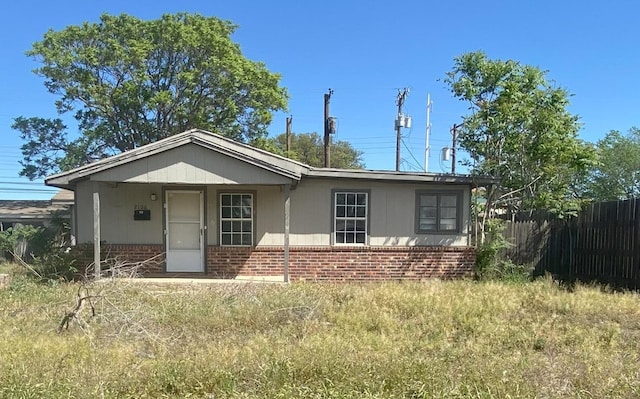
x: 491, y: 261
x: 48, y: 256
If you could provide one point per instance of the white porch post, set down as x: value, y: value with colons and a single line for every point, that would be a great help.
x: 287, y: 208
x: 96, y: 230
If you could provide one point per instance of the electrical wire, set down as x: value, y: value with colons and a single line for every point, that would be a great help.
x: 28, y: 190
x: 420, y: 166
x: 23, y: 183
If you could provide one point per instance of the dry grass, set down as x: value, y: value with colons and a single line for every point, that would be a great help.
x: 438, y: 339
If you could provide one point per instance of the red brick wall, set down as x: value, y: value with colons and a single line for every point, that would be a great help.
x: 343, y: 263
x: 316, y: 263
x: 130, y: 253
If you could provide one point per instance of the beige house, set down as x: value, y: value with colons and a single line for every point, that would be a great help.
x: 218, y: 208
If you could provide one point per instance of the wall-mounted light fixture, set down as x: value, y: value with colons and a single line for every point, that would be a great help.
x: 153, y: 197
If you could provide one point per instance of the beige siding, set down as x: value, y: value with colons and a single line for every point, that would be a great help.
x: 311, y: 213
x: 117, y: 205
x: 270, y: 216
x: 189, y: 164
x: 392, y: 213
x: 268, y: 213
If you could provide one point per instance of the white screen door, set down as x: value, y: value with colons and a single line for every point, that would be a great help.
x: 185, y: 233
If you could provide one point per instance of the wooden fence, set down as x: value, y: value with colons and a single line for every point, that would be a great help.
x: 601, y: 244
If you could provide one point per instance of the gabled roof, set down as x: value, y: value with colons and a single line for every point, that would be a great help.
x: 260, y: 158
x: 243, y: 152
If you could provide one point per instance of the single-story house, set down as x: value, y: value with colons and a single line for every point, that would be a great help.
x: 214, y: 207
x: 33, y: 212
x: 38, y: 213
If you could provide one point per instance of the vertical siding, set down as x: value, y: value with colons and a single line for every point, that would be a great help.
x: 189, y: 164
x: 117, y: 205
x: 392, y: 213
x: 311, y: 213
x: 270, y: 216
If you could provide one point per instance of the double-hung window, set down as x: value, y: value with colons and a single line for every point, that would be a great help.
x: 438, y: 212
x: 236, y: 219
x: 350, y: 224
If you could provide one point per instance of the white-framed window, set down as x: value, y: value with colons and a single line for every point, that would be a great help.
x: 438, y: 211
x: 350, y: 221
x: 236, y: 219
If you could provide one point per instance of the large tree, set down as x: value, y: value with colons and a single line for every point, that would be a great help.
x: 309, y: 148
x: 617, y: 174
x: 129, y: 82
x: 519, y: 130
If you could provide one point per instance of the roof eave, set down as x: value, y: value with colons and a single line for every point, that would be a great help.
x: 400, y: 176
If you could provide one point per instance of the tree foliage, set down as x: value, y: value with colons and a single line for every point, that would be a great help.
x: 617, y: 174
x: 520, y: 131
x: 309, y: 148
x: 129, y: 82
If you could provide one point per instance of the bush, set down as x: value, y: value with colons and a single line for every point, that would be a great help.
x: 16, y: 239
x: 48, y: 256
x: 491, y: 261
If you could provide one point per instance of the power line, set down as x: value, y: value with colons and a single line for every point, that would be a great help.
x: 412, y: 156
x: 28, y: 190
x: 23, y: 183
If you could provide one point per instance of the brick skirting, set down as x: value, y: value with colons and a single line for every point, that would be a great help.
x: 130, y: 253
x: 313, y: 263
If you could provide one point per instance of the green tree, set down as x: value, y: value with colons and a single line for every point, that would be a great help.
x: 309, y: 148
x: 129, y: 82
x: 520, y: 131
x: 617, y: 174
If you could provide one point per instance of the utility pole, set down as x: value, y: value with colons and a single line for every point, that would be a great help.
x: 327, y: 130
x: 454, y: 135
x: 288, y: 134
x: 400, y: 123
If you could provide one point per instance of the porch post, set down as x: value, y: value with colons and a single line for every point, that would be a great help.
x: 287, y: 208
x: 96, y: 230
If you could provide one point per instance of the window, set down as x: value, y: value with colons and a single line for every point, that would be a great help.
x: 236, y: 219
x: 350, y: 223
x: 438, y: 212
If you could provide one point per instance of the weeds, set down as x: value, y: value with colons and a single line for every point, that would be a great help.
x: 453, y: 339
x: 492, y: 264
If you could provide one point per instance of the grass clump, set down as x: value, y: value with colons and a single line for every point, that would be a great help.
x: 454, y: 339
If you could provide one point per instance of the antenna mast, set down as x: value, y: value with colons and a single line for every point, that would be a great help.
x: 427, y: 148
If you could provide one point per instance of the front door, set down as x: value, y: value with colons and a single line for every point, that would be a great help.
x: 185, y: 231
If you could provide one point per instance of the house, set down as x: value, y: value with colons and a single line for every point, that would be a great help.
x: 33, y: 212
x: 222, y: 209
x: 38, y: 213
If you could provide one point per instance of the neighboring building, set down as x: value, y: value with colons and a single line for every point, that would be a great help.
x: 33, y: 212
x: 218, y: 208
x: 36, y: 213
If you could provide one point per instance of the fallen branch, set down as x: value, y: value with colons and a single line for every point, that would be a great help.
x: 24, y: 264
x: 118, y: 268
x: 74, y: 313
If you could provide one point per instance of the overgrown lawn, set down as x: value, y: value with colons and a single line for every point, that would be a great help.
x: 457, y: 339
